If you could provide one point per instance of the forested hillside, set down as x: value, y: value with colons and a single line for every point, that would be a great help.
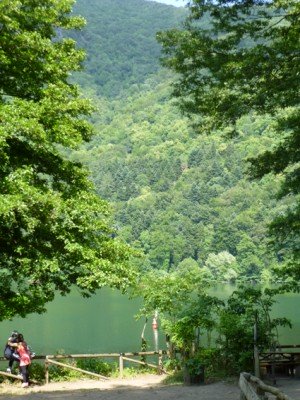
x: 181, y: 198
x: 120, y: 41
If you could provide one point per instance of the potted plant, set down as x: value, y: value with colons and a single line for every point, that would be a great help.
x: 193, y: 372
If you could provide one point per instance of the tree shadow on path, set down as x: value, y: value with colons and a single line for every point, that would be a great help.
x: 215, y: 391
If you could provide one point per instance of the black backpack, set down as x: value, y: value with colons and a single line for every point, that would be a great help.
x: 8, y: 352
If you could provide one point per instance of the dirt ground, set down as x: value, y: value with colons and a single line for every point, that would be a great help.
x: 147, y: 387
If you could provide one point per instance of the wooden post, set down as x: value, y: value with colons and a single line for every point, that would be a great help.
x: 273, y: 359
x: 160, y: 366
x: 121, y: 365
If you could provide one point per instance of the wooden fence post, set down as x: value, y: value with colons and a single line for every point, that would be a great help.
x: 160, y: 364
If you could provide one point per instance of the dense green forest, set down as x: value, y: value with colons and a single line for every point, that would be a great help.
x: 120, y: 41
x: 180, y: 198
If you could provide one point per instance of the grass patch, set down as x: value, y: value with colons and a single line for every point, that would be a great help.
x: 176, y: 378
x: 107, y: 369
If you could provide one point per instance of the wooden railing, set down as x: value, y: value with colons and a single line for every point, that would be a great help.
x: 121, y: 357
x: 253, y: 388
x: 50, y: 359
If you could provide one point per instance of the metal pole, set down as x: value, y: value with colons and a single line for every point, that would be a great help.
x: 155, y: 330
x: 121, y: 365
x: 255, y: 349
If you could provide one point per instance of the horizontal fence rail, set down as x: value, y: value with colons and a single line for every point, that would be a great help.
x: 120, y: 356
x: 68, y: 366
x: 8, y: 375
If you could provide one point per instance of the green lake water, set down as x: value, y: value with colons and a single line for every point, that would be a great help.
x: 106, y: 323
x: 103, y: 323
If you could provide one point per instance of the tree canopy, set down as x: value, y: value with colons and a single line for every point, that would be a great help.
x: 236, y: 58
x: 55, y: 232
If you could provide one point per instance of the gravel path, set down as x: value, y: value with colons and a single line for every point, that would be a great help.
x: 149, y: 387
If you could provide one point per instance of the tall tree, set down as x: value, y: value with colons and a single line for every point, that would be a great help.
x: 54, y: 231
x: 237, y: 57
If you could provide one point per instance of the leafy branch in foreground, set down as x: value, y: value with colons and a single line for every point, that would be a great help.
x: 54, y: 231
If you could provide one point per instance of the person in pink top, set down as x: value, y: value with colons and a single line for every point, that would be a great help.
x: 25, y: 360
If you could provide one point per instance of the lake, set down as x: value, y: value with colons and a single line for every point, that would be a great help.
x: 106, y: 323
x: 102, y: 323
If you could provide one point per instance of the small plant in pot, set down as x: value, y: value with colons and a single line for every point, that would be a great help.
x: 193, y: 372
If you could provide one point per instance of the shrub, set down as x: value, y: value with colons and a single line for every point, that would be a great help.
x: 97, y: 366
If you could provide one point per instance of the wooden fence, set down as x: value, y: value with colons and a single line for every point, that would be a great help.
x: 253, y: 388
x: 59, y: 360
